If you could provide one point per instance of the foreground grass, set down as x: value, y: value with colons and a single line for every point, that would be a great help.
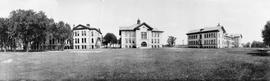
x: 135, y: 64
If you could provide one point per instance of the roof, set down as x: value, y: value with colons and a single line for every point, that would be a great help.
x: 234, y: 35
x: 81, y: 27
x: 136, y: 27
x: 207, y: 29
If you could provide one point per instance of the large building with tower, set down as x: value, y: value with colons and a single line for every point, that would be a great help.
x: 213, y: 37
x: 140, y: 35
x: 86, y: 37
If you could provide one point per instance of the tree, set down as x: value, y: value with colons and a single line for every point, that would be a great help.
x: 109, y: 39
x: 5, y: 38
x: 257, y: 44
x: 266, y: 34
x: 62, y: 33
x: 171, y: 41
x: 246, y: 45
x: 30, y: 26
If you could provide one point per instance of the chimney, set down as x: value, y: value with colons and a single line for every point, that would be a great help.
x: 138, y: 21
x: 218, y: 24
x: 88, y: 25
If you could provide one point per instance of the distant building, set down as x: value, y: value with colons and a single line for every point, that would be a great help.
x: 55, y: 44
x: 140, y: 35
x: 86, y: 37
x: 233, y: 40
x: 212, y: 37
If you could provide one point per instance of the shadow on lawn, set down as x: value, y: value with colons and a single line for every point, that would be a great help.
x: 259, y: 54
x: 241, y: 71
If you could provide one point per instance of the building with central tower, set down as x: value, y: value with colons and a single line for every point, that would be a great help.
x: 140, y: 35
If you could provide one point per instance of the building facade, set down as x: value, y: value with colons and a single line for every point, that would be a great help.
x: 140, y: 35
x: 212, y: 37
x: 86, y: 37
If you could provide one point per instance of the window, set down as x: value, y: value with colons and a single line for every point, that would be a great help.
x: 83, y: 33
x: 144, y: 35
x: 77, y: 40
x: 83, y: 40
x: 77, y: 47
x: 92, y: 33
x: 83, y: 46
x: 92, y: 40
x: 126, y: 40
x: 76, y: 33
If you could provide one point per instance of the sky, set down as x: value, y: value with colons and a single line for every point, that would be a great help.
x: 174, y: 17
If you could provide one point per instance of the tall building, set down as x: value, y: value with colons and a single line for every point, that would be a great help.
x: 212, y: 37
x: 140, y: 35
x: 86, y: 37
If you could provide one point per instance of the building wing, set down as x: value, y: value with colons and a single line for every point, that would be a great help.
x: 207, y: 29
x: 81, y: 27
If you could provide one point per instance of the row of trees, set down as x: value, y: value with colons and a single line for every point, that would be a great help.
x: 254, y: 44
x: 265, y: 36
x: 31, y: 29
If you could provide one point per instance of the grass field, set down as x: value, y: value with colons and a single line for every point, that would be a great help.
x: 135, y: 64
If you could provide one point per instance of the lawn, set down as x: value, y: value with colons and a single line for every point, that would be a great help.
x: 135, y: 64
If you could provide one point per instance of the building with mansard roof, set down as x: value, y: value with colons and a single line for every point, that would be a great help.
x: 140, y: 35
x: 213, y: 37
x: 86, y: 37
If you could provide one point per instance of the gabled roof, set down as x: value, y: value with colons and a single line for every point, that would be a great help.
x: 136, y: 27
x: 82, y: 27
x: 207, y: 29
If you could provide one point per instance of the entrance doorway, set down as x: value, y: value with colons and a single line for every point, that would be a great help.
x: 144, y: 44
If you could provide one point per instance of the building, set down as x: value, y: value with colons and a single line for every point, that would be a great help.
x: 212, y: 37
x: 55, y: 44
x: 140, y: 35
x: 233, y: 40
x: 86, y: 37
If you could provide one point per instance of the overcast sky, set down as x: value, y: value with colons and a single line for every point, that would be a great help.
x: 175, y: 17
